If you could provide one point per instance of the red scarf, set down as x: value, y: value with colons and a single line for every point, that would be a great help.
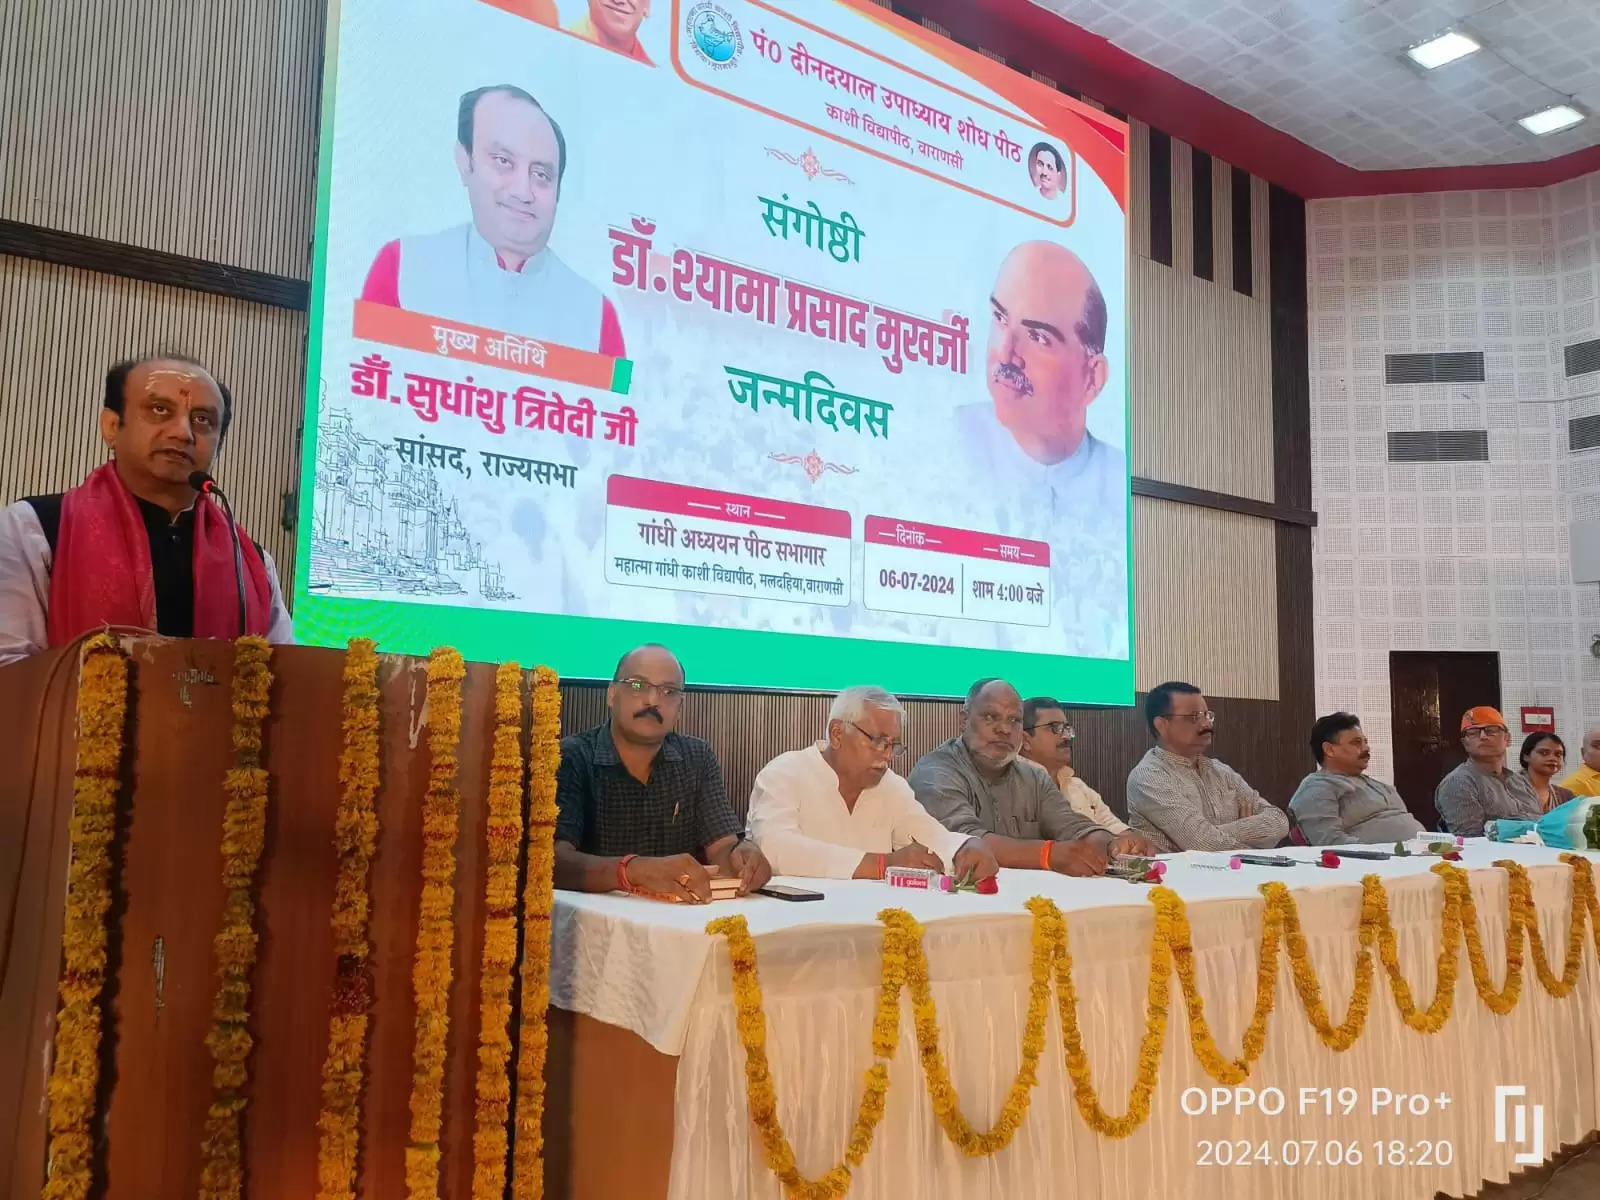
x: 102, y: 575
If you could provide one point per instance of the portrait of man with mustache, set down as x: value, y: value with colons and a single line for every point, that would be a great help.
x: 1043, y: 473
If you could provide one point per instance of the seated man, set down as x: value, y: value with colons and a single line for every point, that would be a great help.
x: 134, y: 545
x: 1585, y: 781
x: 975, y: 784
x: 1339, y: 803
x: 798, y: 820
x: 1482, y: 789
x: 1048, y: 742
x: 641, y: 808
x: 1185, y: 800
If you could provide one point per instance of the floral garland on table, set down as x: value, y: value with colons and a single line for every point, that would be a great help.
x: 901, y: 945
x: 1171, y: 952
x: 1582, y: 892
x: 244, y: 832
x: 355, y: 838
x: 431, y: 971
x: 1219, y: 1067
x: 1157, y: 992
x: 503, y: 838
x: 527, y: 1155
x: 1521, y: 915
x: 1341, y: 1037
x: 1047, y: 944
x: 75, y: 1073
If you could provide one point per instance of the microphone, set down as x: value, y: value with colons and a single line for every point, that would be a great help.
x: 202, y: 482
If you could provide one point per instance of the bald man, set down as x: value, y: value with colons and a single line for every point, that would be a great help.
x: 1030, y: 447
x: 1585, y: 781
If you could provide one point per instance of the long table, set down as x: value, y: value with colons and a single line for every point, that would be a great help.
x: 653, y: 991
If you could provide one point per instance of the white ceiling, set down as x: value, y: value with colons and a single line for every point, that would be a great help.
x: 1329, y: 72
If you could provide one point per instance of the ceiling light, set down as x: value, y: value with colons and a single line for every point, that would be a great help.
x: 1551, y: 120
x: 1445, y: 48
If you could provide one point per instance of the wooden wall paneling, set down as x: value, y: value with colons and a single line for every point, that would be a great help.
x: 1201, y: 383
x: 1182, y: 184
x: 1138, y: 189
x: 1222, y: 223
x: 1206, y: 606
x: 184, y: 127
x: 1291, y: 424
x: 1159, y: 169
x: 1243, y: 234
x: 63, y: 328
x: 1261, y: 247
x: 1203, y: 192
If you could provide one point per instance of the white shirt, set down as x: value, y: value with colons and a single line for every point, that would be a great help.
x: 1079, y: 506
x: 800, y: 821
x: 25, y: 562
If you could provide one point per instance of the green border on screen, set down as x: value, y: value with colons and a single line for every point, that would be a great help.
x: 588, y: 647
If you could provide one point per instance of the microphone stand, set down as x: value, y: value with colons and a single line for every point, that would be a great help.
x: 206, y: 485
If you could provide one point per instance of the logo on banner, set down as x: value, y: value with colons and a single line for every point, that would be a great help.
x: 715, y: 35
x: 1522, y: 1116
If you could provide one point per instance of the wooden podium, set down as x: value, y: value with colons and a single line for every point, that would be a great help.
x: 167, y: 892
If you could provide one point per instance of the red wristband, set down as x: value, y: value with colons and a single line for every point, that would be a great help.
x: 883, y: 865
x: 1044, y: 856
x: 623, y: 882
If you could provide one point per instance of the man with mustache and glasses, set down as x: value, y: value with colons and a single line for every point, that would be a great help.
x: 975, y: 784
x: 1339, y: 803
x: 1030, y: 446
x: 614, y: 24
x: 641, y: 808
x: 134, y: 544
x: 1048, y: 742
x: 837, y: 810
x: 497, y: 270
x: 1186, y: 800
x: 1483, y: 788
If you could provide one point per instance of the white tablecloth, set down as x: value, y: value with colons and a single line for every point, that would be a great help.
x: 651, y: 968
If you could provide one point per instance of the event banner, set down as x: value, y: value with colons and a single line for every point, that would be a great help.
x: 791, y: 335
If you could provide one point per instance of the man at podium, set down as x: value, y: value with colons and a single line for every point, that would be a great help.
x: 134, y: 544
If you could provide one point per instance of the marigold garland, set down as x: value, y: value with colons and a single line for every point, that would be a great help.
x: 901, y: 943
x: 503, y: 836
x: 904, y: 963
x: 355, y: 838
x: 75, y: 1073
x: 244, y: 832
x: 527, y: 1156
x: 946, y: 1104
x: 431, y: 972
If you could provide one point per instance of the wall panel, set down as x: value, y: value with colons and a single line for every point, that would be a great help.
x: 1202, y: 382
x: 62, y: 328
x: 1205, y: 599
x: 168, y: 124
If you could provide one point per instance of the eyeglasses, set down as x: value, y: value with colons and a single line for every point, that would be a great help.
x: 669, y: 692
x: 1483, y: 731
x: 881, y: 744
x: 1004, y: 724
x: 1059, y: 728
x: 1193, y: 718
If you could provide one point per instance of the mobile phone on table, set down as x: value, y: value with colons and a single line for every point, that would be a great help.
x: 782, y: 891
